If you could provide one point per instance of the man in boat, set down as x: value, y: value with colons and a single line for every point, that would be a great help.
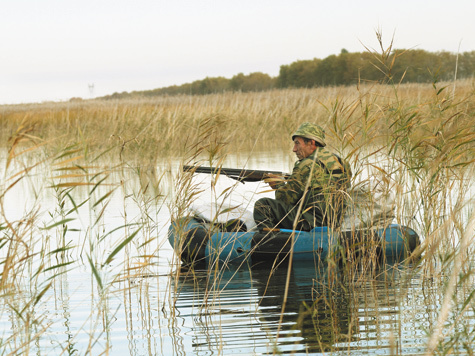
x: 314, y: 194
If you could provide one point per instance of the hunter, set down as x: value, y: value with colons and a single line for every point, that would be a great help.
x: 314, y: 194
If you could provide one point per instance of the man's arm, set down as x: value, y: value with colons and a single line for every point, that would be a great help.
x: 274, y: 180
x: 292, y: 191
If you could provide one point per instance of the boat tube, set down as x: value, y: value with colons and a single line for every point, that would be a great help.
x: 196, y: 241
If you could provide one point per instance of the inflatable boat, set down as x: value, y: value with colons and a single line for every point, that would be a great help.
x: 196, y: 241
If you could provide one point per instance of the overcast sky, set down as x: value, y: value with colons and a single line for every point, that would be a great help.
x: 54, y: 49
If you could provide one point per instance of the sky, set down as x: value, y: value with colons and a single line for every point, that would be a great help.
x: 53, y: 50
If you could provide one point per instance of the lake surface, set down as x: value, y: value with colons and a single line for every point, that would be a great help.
x: 105, y: 294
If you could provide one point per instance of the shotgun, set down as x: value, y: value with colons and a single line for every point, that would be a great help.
x: 241, y: 175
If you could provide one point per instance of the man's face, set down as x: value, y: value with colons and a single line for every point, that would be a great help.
x: 303, y: 149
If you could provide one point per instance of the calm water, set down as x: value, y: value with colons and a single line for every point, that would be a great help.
x: 141, y: 302
x: 240, y: 312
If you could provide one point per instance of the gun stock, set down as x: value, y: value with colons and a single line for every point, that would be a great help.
x: 241, y: 175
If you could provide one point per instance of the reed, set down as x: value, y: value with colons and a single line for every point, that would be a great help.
x: 159, y: 127
x: 418, y: 139
x: 41, y: 250
x: 421, y: 144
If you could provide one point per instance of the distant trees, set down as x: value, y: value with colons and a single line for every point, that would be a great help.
x: 253, y: 82
x: 240, y: 82
x: 421, y: 66
x: 415, y: 66
x: 418, y: 66
x: 299, y: 74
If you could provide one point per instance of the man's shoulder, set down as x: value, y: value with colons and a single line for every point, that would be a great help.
x: 324, y: 152
x: 322, y: 157
x: 321, y: 154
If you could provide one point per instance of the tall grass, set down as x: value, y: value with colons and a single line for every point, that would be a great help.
x: 42, y: 249
x: 420, y: 141
x: 417, y: 138
x: 163, y: 126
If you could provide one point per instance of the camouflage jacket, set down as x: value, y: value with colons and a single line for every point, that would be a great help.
x: 322, y: 180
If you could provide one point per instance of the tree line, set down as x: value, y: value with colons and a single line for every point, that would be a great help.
x: 406, y: 66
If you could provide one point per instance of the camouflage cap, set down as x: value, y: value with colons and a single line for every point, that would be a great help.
x: 311, y: 131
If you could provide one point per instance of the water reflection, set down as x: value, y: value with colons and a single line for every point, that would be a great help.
x: 316, y: 313
x: 216, y: 311
x: 325, y: 312
x: 63, y: 298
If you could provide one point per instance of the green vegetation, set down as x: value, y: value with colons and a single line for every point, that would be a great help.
x: 419, y: 138
x: 148, y: 129
x: 407, y: 66
x: 239, y: 83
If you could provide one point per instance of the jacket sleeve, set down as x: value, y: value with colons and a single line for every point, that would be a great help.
x: 293, y: 189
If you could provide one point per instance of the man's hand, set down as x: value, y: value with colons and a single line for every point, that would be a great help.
x: 274, y: 180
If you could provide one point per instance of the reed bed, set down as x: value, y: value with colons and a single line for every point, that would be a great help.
x: 163, y: 126
x: 419, y: 139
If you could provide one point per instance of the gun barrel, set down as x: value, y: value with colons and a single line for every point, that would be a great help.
x: 243, y: 175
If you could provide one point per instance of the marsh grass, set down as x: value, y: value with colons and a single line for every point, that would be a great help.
x: 41, y: 250
x: 419, y: 139
x: 145, y: 129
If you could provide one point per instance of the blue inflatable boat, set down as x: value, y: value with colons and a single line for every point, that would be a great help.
x: 197, y: 242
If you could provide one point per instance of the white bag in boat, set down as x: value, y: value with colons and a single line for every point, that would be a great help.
x: 221, y: 214
x: 370, y: 203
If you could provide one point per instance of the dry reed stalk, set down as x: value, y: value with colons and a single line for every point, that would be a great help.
x: 426, y: 136
x: 153, y: 127
x: 459, y: 260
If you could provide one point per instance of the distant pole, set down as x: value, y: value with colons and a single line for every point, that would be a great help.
x: 91, y: 90
x: 456, y: 69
